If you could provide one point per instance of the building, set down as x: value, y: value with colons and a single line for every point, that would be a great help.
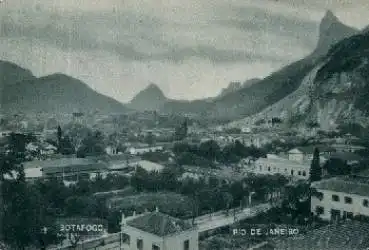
x: 150, y: 166
x: 111, y: 150
x: 70, y: 170
x: 305, y: 154
x: 337, y: 198
x: 340, y: 236
x: 158, y: 231
x: 274, y: 164
x: 143, y: 150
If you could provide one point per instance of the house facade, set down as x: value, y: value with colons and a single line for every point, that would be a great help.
x: 157, y: 231
x: 274, y: 164
x: 142, y: 150
x: 338, y: 198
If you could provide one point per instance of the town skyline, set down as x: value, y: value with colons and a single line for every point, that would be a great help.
x: 120, y: 47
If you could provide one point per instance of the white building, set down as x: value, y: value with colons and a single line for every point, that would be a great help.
x: 158, y: 231
x: 111, y: 150
x: 5, y: 133
x: 305, y: 154
x: 142, y: 150
x: 340, y: 197
x: 150, y: 166
x: 274, y: 164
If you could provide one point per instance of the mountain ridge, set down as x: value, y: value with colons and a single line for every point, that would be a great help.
x: 54, y: 93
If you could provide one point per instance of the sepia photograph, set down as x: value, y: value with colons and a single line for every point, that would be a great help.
x: 184, y: 125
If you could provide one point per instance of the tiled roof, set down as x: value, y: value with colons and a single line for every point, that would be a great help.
x: 159, y: 224
x: 349, y: 235
x: 65, y: 165
x: 349, y: 186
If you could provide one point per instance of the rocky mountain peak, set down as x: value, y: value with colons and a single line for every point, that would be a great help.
x: 331, y: 31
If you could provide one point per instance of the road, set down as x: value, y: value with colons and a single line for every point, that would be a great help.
x: 221, y: 219
x: 204, y: 223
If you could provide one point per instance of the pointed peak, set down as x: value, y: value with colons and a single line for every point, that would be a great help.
x: 152, y: 86
x: 329, y: 14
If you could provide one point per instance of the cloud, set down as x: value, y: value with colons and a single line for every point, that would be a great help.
x: 190, y: 48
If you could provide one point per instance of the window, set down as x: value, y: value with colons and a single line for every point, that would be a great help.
x: 186, y: 245
x: 155, y: 247
x: 291, y: 172
x: 348, y: 215
x: 303, y: 173
x: 285, y: 170
x: 260, y: 168
x: 366, y: 203
x: 348, y: 200
x: 335, y: 198
x: 126, y: 239
x: 299, y: 172
x: 268, y: 168
x: 319, y: 210
x: 139, y: 244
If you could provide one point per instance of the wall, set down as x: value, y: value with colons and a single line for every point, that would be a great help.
x: 148, y: 239
x: 356, y: 207
x: 177, y: 241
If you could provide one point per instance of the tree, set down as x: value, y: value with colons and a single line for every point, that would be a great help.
x: 210, y: 150
x: 150, y: 138
x: 65, y: 146
x: 228, y: 199
x: 7, y: 166
x: 92, y: 145
x: 59, y: 134
x: 21, y: 216
x: 315, y: 168
x: 181, y: 131
x: 335, y: 166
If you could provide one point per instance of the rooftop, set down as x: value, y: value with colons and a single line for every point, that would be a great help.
x: 343, y: 185
x: 62, y: 162
x: 310, y: 149
x: 159, y: 224
x: 348, y: 235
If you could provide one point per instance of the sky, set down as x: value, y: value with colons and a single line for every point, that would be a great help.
x: 190, y: 48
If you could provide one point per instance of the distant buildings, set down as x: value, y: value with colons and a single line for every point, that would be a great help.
x: 338, y: 198
x: 158, y: 231
x: 150, y: 166
x: 305, y: 154
x: 274, y: 164
x: 144, y: 149
x: 69, y: 170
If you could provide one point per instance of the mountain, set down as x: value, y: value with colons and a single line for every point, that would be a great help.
x: 11, y: 73
x: 56, y: 93
x: 333, y: 93
x: 331, y: 31
x: 249, y: 100
x: 150, y: 98
x: 235, y: 86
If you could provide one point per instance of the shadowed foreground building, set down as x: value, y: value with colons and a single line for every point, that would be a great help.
x: 338, y: 198
x: 158, y: 231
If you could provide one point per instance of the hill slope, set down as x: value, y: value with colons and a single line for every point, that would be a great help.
x: 333, y: 93
x: 252, y: 99
x: 150, y: 98
x: 55, y: 93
